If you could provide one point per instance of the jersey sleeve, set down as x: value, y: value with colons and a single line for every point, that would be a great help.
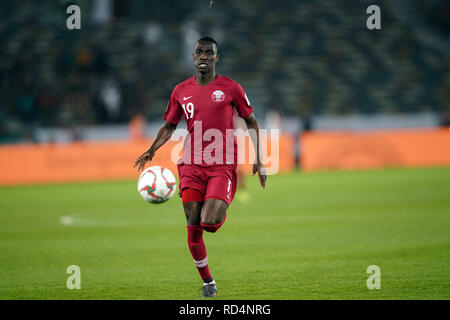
x: 173, y: 112
x: 241, y: 103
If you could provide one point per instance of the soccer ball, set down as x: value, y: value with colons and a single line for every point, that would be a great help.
x: 157, y: 184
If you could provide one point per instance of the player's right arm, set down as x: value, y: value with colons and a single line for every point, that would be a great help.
x: 172, y: 116
x: 164, y: 134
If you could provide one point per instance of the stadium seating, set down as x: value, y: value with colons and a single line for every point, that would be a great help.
x: 297, y: 57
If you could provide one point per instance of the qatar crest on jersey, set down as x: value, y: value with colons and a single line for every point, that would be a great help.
x: 218, y: 96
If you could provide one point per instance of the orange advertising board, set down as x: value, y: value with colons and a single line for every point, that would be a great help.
x: 23, y: 164
x: 363, y: 150
x: 91, y: 161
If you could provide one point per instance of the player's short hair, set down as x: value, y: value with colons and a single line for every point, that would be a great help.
x: 208, y: 39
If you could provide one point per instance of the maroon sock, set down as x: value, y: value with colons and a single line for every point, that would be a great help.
x: 198, y: 251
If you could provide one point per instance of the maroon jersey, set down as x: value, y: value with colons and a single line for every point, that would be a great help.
x: 208, y: 111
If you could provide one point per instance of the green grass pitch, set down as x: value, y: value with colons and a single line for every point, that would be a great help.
x: 307, y: 236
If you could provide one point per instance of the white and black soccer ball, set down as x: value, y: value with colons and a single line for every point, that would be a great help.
x: 157, y: 184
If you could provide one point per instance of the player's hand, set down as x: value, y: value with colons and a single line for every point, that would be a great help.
x: 147, y: 156
x: 259, y: 168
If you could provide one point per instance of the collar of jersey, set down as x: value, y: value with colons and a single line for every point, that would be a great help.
x: 195, y: 81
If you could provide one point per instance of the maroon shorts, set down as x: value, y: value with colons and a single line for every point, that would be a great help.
x: 212, y: 182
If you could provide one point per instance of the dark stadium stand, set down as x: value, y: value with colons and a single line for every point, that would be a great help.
x: 298, y: 57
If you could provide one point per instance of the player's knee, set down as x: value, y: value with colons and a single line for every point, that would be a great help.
x: 192, y: 218
x: 192, y: 213
x: 212, y: 224
x: 211, y: 221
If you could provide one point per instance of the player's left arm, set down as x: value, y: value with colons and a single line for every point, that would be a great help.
x: 258, y: 167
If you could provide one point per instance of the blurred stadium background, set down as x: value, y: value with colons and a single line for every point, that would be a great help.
x: 306, y: 66
x: 309, y: 61
x: 81, y: 105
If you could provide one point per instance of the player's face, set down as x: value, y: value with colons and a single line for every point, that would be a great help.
x: 205, y: 56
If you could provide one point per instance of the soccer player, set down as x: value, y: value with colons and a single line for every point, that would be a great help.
x: 207, y: 169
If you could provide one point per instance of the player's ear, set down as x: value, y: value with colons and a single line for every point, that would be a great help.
x: 217, y: 57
